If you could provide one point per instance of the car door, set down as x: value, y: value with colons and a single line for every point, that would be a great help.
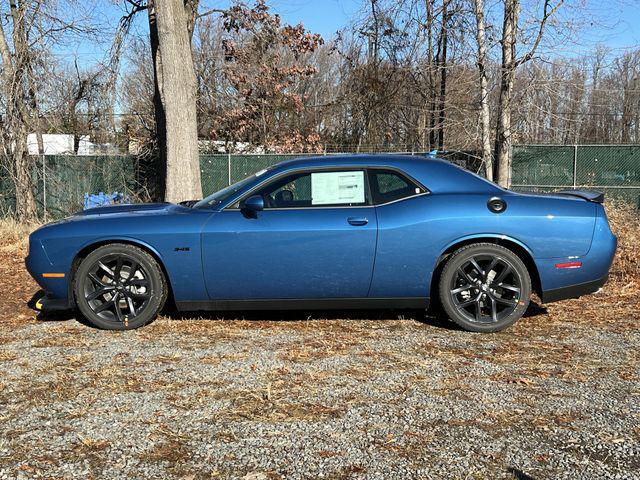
x: 315, y: 239
x: 404, y: 252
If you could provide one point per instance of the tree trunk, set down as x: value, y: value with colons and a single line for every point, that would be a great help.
x: 176, y: 86
x: 17, y: 115
x: 484, y: 115
x: 443, y: 73
x: 25, y: 200
x: 504, y: 145
x: 155, y: 173
x: 429, y: 107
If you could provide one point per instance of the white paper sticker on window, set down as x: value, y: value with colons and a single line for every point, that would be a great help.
x: 330, y: 188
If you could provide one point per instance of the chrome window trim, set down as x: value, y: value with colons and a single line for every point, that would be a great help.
x: 338, y: 207
x: 364, y: 168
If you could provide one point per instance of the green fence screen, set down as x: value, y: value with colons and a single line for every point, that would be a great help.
x: 614, y: 169
x: 60, y: 181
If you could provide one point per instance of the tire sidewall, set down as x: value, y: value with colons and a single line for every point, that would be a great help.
x: 156, y: 282
x: 460, y: 257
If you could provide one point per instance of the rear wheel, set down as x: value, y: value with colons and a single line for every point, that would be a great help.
x: 119, y: 287
x: 485, y: 287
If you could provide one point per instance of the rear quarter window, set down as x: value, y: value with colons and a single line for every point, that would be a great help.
x: 388, y: 186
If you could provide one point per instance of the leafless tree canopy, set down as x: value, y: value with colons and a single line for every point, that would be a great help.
x: 465, y: 75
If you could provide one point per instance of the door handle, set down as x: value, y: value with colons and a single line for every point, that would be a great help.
x: 357, y: 221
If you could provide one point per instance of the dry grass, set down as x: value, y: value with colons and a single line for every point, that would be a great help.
x: 14, y: 236
x: 625, y: 223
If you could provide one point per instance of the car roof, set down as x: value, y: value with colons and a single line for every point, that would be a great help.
x: 355, y: 159
x: 436, y: 174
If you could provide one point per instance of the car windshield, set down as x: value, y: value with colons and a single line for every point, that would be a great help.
x: 222, y: 195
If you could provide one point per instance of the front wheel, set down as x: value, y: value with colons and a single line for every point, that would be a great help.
x: 119, y: 287
x: 485, y: 287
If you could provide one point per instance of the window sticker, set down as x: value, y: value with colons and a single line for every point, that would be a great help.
x: 330, y: 188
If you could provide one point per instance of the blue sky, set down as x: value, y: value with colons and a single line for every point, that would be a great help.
x: 615, y: 23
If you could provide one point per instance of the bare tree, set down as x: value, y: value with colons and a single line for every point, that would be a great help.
x: 510, y: 63
x: 15, y: 64
x: 484, y: 113
x: 171, y: 26
x: 25, y: 31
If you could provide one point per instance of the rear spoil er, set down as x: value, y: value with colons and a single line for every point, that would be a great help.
x: 588, y: 195
x: 306, y: 304
x: 573, y: 291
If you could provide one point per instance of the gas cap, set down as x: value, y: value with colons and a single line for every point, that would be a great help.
x: 497, y: 205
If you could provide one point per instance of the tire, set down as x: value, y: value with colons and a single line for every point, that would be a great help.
x: 119, y: 287
x: 484, y: 287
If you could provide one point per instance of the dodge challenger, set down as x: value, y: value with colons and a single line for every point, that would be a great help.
x: 350, y: 231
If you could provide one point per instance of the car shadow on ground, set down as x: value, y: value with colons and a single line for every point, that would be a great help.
x: 433, y: 317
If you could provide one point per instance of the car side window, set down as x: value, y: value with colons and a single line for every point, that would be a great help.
x: 388, y: 186
x: 345, y: 188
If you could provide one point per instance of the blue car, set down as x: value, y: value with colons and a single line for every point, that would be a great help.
x: 351, y: 231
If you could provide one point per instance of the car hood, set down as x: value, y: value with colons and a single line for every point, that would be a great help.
x: 131, y: 209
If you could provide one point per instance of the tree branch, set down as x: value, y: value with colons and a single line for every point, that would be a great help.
x: 547, y: 14
x: 7, y: 65
x: 210, y: 12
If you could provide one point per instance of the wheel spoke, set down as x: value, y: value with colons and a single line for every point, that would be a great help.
x: 99, y: 292
x: 491, y: 266
x: 105, y: 305
x: 107, y: 270
x: 494, y: 310
x: 132, y: 308
x: 502, y: 275
x: 465, y: 276
x: 504, y: 301
x: 477, y: 267
x: 478, y: 311
x: 96, y: 280
x: 118, y: 310
x: 461, y: 289
x: 466, y: 303
x: 137, y: 282
x: 118, y: 269
x: 134, y: 268
x: 509, y: 287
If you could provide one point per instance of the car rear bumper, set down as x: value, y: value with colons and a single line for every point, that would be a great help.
x: 562, y: 283
x: 573, y: 291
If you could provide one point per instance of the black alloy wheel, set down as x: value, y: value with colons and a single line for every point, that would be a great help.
x: 119, y: 287
x: 485, y: 287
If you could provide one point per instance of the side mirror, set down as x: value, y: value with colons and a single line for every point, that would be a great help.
x: 253, y: 204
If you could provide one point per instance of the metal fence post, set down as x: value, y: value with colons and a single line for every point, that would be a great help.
x: 229, y: 169
x: 575, y: 166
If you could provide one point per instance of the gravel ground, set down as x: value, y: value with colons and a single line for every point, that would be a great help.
x: 324, y: 395
x: 329, y: 396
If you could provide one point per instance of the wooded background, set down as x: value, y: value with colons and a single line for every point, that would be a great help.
x: 404, y: 75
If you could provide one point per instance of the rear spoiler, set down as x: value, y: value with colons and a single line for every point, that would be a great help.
x: 588, y: 195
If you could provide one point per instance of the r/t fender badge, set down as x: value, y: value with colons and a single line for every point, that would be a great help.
x: 182, y: 249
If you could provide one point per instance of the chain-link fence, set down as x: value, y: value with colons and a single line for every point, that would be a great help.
x: 614, y: 169
x: 60, y: 181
